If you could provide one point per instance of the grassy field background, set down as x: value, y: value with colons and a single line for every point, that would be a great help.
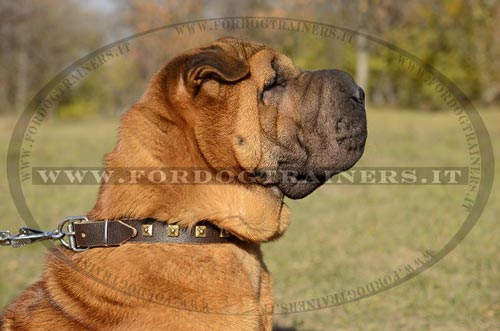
x: 341, y: 237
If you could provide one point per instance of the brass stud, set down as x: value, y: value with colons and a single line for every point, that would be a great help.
x: 223, y: 233
x: 147, y: 230
x: 173, y: 230
x: 200, y: 231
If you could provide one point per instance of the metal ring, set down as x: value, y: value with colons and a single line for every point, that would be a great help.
x: 71, y: 244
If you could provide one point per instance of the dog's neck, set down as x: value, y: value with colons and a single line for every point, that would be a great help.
x: 251, y: 212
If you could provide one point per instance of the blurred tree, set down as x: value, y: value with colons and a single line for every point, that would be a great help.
x: 461, y: 38
x: 456, y: 37
x: 152, y: 51
x: 37, y: 39
x: 377, y: 18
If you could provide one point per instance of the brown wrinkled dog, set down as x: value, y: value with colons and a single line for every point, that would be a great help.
x: 232, y: 105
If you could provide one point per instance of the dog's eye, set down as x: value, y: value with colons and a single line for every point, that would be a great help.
x: 271, y: 87
x: 270, y: 83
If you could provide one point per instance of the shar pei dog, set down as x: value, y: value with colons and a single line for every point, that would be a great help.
x: 203, y: 162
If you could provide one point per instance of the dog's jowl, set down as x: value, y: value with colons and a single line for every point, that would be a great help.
x: 185, y: 254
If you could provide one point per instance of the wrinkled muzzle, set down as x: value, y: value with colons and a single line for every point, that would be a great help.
x: 331, y: 131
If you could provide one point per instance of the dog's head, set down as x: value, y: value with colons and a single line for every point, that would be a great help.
x: 251, y: 109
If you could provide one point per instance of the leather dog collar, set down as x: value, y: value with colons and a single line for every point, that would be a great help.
x: 84, y: 234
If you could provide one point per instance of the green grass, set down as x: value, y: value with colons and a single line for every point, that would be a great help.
x: 341, y: 237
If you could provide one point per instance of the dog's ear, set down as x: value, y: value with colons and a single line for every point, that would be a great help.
x: 213, y: 64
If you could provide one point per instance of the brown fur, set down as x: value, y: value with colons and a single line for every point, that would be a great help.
x: 200, y: 111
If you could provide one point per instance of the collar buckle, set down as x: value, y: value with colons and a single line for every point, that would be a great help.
x: 67, y: 227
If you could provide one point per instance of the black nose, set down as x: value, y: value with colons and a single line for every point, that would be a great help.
x: 359, y: 95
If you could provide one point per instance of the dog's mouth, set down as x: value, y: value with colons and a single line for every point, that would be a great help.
x: 298, y: 185
x: 353, y: 142
x: 296, y: 182
x: 293, y: 183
